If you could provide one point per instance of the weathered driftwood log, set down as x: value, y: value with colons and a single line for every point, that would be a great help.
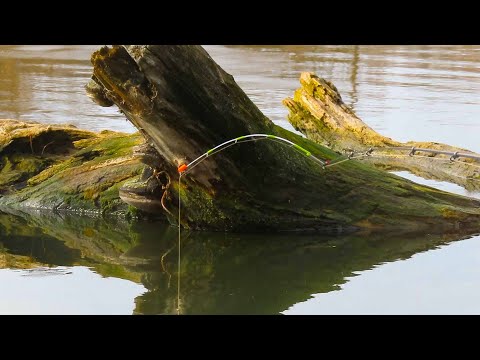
x: 317, y: 110
x: 183, y: 103
x: 63, y: 168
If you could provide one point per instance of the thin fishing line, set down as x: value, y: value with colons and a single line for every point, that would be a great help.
x: 185, y: 168
x: 179, y: 243
x: 436, y: 159
x: 182, y: 169
x: 414, y: 156
x: 413, y: 150
x: 346, y: 159
x: 378, y: 155
x: 426, y: 157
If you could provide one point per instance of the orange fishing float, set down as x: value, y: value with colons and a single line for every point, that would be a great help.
x: 182, y: 168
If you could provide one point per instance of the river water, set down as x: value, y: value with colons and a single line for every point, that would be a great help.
x: 64, y: 264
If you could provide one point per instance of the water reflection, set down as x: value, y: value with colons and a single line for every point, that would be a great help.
x: 220, y: 273
x: 353, y: 77
x: 46, y: 84
x: 406, y: 92
x: 423, y: 93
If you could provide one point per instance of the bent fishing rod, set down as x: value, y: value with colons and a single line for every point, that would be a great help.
x: 185, y: 168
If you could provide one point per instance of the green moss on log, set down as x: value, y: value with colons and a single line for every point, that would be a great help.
x: 259, y: 186
x: 318, y: 111
x: 84, y: 175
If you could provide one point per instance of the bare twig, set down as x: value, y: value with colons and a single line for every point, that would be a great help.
x: 166, y: 187
x: 163, y: 264
x: 30, y: 137
x: 156, y: 176
x: 50, y: 143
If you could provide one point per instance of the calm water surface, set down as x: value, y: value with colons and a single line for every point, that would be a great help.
x: 64, y: 264
x: 74, y: 264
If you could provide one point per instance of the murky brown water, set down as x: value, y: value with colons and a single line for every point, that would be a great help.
x: 46, y: 84
x: 60, y: 263
x: 405, y: 92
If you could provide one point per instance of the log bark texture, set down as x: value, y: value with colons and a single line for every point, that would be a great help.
x: 318, y: 111
x: 183, y: 103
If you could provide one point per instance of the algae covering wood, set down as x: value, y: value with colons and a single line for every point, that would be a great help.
x: 65, y: 168
x: 183, y: 104
x: 318, y: 111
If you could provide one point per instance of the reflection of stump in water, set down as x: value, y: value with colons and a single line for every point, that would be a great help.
x: 220, y: 273
x: 248, y: 274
